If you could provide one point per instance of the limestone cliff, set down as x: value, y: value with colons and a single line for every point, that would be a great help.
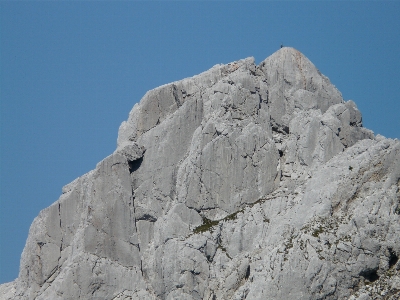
x: 243, y: 182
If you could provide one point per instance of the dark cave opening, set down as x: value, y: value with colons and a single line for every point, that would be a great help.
x: 135, y: 164
x: 247, y: 273
x: 393, y: 258
x: 370, y: 275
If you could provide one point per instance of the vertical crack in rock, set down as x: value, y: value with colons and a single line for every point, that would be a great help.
x: 62, y: 237
x: 59, y: 213
x: 393, y: 258
x: 133, y: 167
x: 247, y: 275
x: 176, y: 96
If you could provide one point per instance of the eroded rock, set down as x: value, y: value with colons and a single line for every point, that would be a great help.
x: 243, y: 182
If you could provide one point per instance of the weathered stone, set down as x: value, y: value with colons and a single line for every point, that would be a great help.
x: 243, y: 182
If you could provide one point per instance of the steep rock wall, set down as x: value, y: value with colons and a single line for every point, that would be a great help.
x: 245, y: 181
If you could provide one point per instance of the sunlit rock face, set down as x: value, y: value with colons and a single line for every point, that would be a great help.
x: 243, y: 182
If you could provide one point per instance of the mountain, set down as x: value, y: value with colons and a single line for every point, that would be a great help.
x: 243, y: 182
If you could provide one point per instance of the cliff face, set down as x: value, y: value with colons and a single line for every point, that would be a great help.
x: 245, y: 181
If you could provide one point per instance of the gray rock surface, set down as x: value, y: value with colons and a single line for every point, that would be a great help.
x: 243, y: 182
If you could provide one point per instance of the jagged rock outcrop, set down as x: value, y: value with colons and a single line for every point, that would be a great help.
x: 243, y: 182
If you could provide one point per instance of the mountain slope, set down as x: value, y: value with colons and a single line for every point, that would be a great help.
x: 245, y: 181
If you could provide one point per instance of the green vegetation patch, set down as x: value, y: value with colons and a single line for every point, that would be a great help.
x: 318, y: 231
x: 206, y: 226
x: 233, y: 216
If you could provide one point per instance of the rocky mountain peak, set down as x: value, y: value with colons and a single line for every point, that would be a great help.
x: 288, y: 71
x: 242, y: 182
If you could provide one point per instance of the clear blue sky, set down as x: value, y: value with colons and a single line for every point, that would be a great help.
x: 72, y: 71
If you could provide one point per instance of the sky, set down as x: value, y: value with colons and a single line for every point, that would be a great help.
x: 72, y: 71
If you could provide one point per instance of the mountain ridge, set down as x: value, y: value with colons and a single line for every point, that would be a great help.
x: 244, y: 181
